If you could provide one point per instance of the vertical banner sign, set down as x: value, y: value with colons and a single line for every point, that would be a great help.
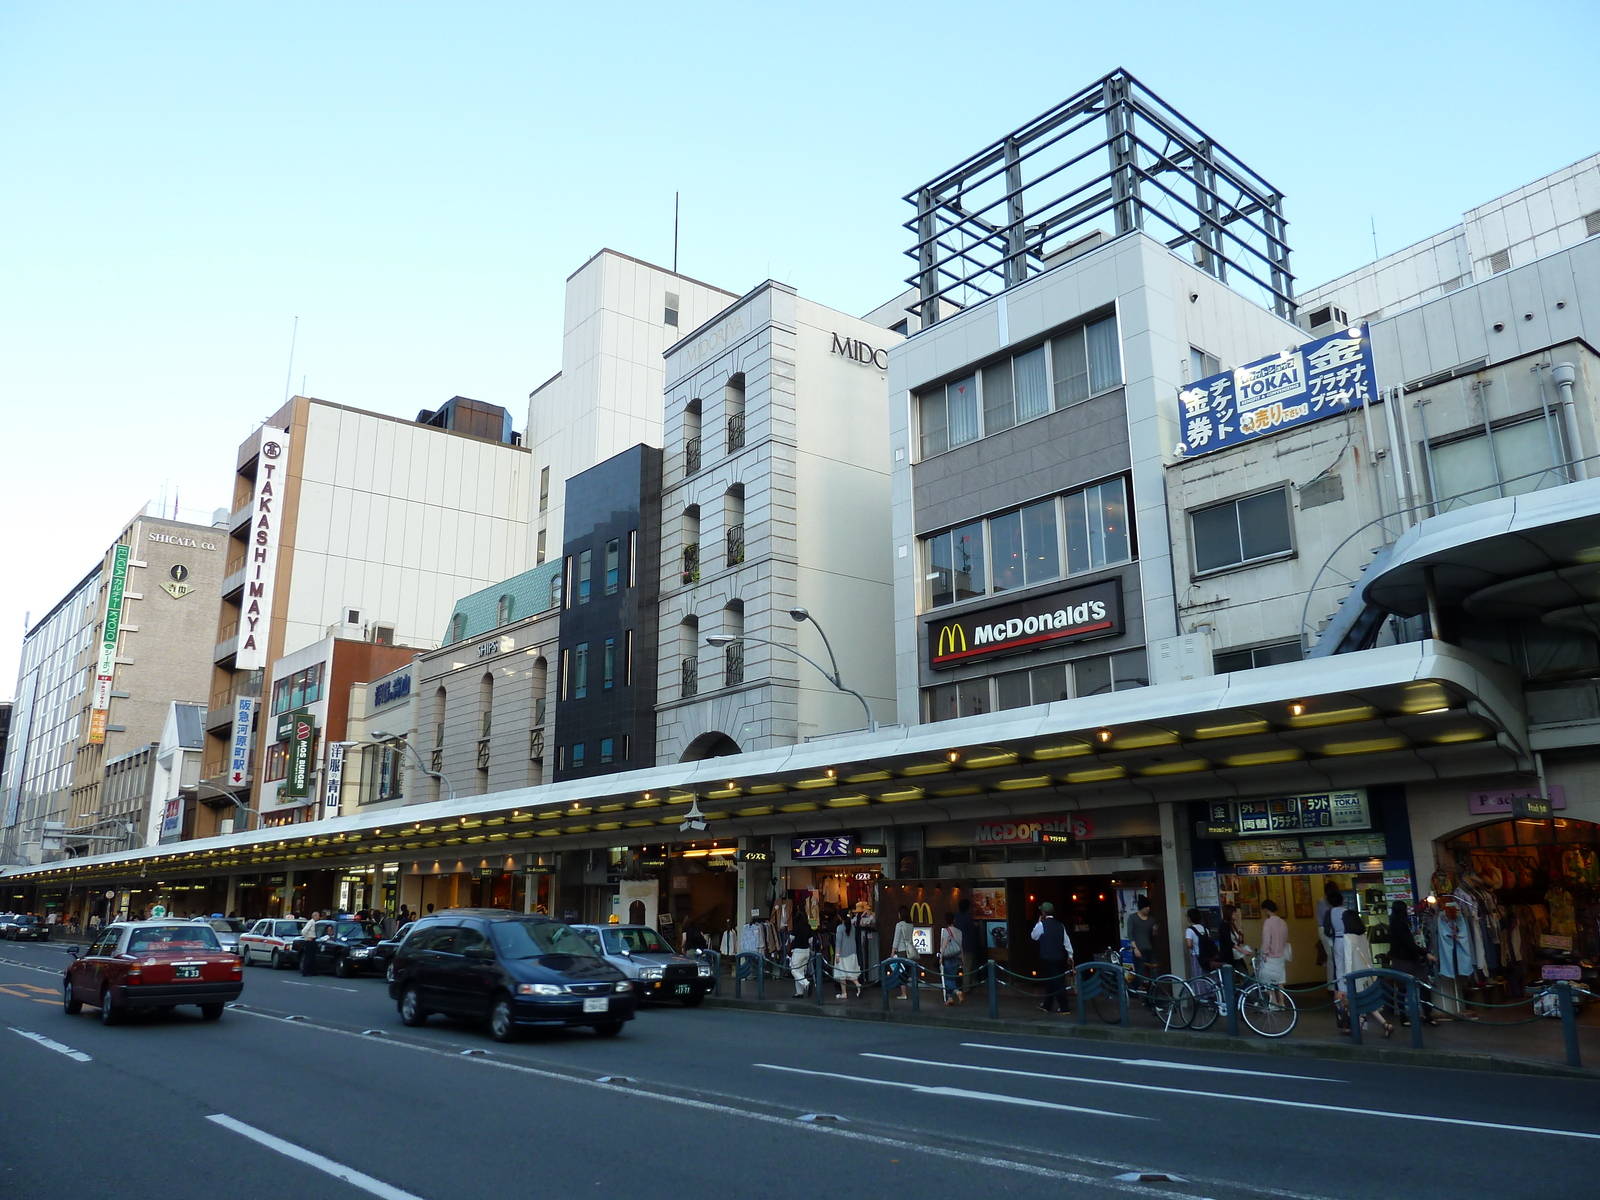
x: 333, y: 780
x: 1295, y: 387
x: 261, y: 565
x: 239, y: 748
x: 302, y: 730
x: 106, y: 668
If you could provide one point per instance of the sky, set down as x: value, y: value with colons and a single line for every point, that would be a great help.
x: 415, y: 182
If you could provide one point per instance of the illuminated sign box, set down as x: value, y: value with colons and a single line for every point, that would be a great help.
x: 1057, y: 618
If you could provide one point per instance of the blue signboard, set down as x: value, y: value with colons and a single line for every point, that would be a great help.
x: 1321, y: 379
x: 839, y: 845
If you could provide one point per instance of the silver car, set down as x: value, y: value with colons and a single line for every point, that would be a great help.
x: 227, y: 930
x: 659, y: 973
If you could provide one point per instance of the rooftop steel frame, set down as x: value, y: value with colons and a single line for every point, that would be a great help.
x: 1115, y: 153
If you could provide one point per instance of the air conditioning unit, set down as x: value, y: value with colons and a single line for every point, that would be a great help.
x: 1326, y: 319
x: 382, y: 635
x: 354, y: 616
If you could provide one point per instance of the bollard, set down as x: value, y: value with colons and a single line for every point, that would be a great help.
x: 916, y: 987
x: 1228, y: 999
x: 994, y: 990
x: 817, y: 968
x: 1084, y: 987
x: 1569, y: 1022
x: 1122, y: 998
x: 1350, y: 1009
x: 883, y: 976
x: 1414, y: 1012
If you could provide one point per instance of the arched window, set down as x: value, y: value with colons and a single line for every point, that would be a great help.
x: 504, y: 614
x: 458, y: 627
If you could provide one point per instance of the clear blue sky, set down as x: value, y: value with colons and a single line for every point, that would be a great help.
x: 415, y: 182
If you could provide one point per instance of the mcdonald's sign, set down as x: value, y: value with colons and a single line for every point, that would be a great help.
x: 1068, y: 615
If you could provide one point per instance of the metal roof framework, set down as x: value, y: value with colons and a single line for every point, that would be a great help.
x: 1113, y: 153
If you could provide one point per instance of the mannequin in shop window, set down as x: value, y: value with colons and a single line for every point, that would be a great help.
x: 1453, y: 949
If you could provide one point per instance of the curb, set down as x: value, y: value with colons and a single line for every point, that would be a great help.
x: 1458, y: 1060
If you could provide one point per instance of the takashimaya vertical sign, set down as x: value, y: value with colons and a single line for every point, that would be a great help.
x: 106, y: 668
x: 1295, y: 387
x: 261, y: 566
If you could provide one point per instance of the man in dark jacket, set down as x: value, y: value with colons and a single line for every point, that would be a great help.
x: 1055, y: 957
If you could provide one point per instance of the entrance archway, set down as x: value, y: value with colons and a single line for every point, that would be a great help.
x: 710, y: 745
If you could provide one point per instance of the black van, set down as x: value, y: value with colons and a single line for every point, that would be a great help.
x: 513, y: 969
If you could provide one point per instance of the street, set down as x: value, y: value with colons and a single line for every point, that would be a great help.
x: 344, y: 1101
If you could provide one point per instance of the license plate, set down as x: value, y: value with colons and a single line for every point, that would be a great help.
x: 683, y: 989
x: 597, y: 1004
x: 188, y: 971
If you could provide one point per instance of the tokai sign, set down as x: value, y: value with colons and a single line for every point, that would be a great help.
x: 1073, y: 615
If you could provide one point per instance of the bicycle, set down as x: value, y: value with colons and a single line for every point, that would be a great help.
x: 1267, y: 1008
x: 1167, y: 997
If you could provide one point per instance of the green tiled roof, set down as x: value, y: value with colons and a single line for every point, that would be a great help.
x: 529, y: 592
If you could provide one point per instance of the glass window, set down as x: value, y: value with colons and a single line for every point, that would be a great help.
x: 613, y: 565
x: 1049, y: 683
x: 566, y: 673
x: 940, y: 578
x: 1259, y: 656
x: 577, y: 755
x: 580, y: 671
x: 627, y: 658
x: 1005, y: 537
x: 1464, y: 473
x: 1128, y: 670
x: 961, y: 399
x: 1202, y: 365
x: 583, y: 576
x: 1091, y: 676
x: 1043, y: 559
x: 505, y: 610
x: 172, y: 937
x: 607, y: 750
x: 1097, y: 527
x: 633, y: 558
x: 1071, y: 367
x: 967, y: 550
x: 1105, y: 356
x: 469, y: 937
x: 935, y: 423
x: 608, y: 665
x: 1032, y: 388
x: 1011, y: 691
x: 1241, y: 531
x: 998, y: 410
x: 942, y: 702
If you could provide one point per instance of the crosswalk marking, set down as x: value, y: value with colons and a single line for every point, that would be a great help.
x: 960, y: 1093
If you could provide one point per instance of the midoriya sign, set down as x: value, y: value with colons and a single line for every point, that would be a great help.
x: 1073, y: 615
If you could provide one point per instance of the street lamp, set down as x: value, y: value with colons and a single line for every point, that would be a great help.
x: 385, y: 737
x: 800, y: 615
x: 237, y: 803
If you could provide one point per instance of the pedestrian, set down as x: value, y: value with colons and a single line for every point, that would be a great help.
x: 800, y: 954
x: 1142, y: 931
x: 693, y: 940
x: 1200, y: 946
x: 902, y: 946
x: 846, y: 956
x: 1408, y: 957
x: 1332, y: 930
x: 950, y: 961
x: 968, y: 928
x: 1055, y: 958
x: 308, y: 948
x: 430, y: 910
x: 1271, y: 968
x: 1324, y: 938
x: 1357, y: 956
x: 1235, y: 952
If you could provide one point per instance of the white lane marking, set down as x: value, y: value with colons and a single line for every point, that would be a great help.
x: 1176, y: 1091
x: 828, y: 1129
x: 1152, y: 1062
x: 338, y: 1170
x: 958, y: 1093
x: 51, y: 1044
x: 321, y: 987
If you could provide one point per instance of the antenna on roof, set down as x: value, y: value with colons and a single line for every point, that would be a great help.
x: 674, y: 233
x: 288, y: 380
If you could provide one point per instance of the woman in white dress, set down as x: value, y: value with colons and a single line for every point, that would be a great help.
x: 847, y: 959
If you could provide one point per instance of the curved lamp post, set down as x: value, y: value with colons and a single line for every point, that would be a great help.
x: 800, y: 615
x: 382, y: 736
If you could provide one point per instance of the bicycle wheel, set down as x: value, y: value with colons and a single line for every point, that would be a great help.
x: 1207, y: 1003
x: 1106, y: 1007
x: 1270, y: 1011
x: 1172, y: 1001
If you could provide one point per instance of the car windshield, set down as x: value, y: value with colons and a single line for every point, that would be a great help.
x: 226, y: 925
x: 355, y: 931
x: 28, y: 920
x: 187, y: 937
x: 636, y: 941
x: 533, y: 939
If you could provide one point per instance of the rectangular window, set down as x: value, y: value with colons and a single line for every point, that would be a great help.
x: 566, y: 580
x: 580, y: 671
x: 544, y: 488
x: 608, y: 665
x: 670, y: 315
x: 934, y: 421
x: 961, y: 398
x: 1259, y: 656
x: 577, y: 756
x: 1091, y: 677
x: 297, y: 690
x: 566, y: 674
x: 956, y: 565
x: 999, y: 407
x: 1097, y: 527
x: 539, y: 552
x: 1129, y: 670
x: 1105, y: 356
x: 1464, y: 470
x: 1241, y: 531
x: 968, y: 698
x: 1087, y: 360
x: 1041, y: 549
x: 1202, y: 365
x: 1011, y: 691
x: 613, y: 565
x: 607, y: 750
x: 584, y: 564
x: 627, y: 658
x: 633, y: 558
x: 1049, y: 684
x: 561, y: 758
x: 1032, y: 388
x: 627, y: 747
x: 1005, y: 549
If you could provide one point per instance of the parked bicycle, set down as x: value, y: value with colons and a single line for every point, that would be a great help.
x: 1166, y: 996
x: 1267, y: 1008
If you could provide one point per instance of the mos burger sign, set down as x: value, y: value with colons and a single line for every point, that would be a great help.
x: 1072, y: 615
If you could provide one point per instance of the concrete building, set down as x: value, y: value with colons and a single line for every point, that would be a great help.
x: 176, y: 774
x: 68, y: 732
x: 352, y: 525
x: 621, y: 314
x: 775, y: 494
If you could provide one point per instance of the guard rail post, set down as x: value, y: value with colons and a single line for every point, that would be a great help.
x: 994, y: 990
x: 1085, y: 984
x: 1229, y: 998
x: 818, y: 973
x: 916, y: 987
x: 1122, y: 997
x: 1414, y: 1011
x: 1569, y: 1022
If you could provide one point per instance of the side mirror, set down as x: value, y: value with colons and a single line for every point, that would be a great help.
x: 479, y: 953
x: 73, y: 950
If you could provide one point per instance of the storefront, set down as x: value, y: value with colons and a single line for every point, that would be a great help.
x: 827, y: 875
x: 1287, y: 849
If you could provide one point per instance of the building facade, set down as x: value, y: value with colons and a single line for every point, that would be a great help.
x: 775, y: 495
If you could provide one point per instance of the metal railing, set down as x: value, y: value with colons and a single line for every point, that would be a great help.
x: 735, y: 545
x: 690, y: 573
x: 691, y: 455
x: 733, y: 664
x: 230, y: 630
x: 250, y: 685
x: 689, y: 678
x: 535, y: 746
x: 483, y: 754
x: 735, y: 432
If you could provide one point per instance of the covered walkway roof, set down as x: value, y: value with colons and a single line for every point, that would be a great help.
x: 1418, y: 711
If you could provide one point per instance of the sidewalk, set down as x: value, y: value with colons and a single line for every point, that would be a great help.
x: 1488, y: 1044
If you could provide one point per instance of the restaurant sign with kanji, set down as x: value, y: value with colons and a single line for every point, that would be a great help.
x: 1324, y: 378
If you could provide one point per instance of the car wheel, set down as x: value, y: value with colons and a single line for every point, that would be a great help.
x: 341, y: 968
x: 411, y: 1010
x: 277, y: 960
x: 608, y: 1028
x: 110, y: 1014
x: 692, y: 1000
x: 71, y: 1006
x: 211, y: 1012
x: 502, y: 1022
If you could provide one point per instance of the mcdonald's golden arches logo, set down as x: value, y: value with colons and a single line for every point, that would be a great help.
x: 922, y: 913
x: 952, y: 640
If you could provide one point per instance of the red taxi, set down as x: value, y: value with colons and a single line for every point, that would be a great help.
x: 153, y: 964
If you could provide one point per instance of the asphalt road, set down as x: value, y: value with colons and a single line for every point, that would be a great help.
x: 707, y: 1102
